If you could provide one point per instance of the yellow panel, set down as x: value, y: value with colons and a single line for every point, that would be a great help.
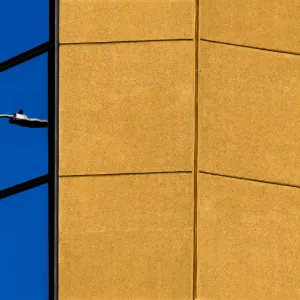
x: 248, y: 240
x: 126, y: 237
x: 270, y: 23
x: 126, y: 107
x: 249, y: 113
x: 111, y: 20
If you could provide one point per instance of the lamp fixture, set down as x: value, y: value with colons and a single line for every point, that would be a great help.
x: 21, y: 119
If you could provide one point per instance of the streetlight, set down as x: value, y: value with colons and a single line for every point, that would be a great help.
x: 21, y: 119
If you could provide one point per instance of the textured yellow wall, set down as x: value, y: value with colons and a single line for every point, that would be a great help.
x: 127, y: 156
x: 248, y: 240
x: 269, y: 24
x: 248, y: 184
x: 126, y: 149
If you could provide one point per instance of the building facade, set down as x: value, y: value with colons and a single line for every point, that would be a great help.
x: 179, y: 175
x: 169, y: 169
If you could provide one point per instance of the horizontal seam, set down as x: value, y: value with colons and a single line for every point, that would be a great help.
x: 250, y: 179
x: 129, y: 41
x: 250, y: 47
x: 125, y: 174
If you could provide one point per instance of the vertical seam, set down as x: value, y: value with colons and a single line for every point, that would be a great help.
x: 196, y: 57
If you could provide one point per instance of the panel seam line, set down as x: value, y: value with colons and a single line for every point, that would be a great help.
x: 129, y: 41
x: 250, y: 179
x: 196, y: 116
x: 249, y: 47
x: 124, y: 174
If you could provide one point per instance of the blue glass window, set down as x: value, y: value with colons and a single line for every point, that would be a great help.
x: 23, y: 25
x: 24, y: 245
x: 24, y: 151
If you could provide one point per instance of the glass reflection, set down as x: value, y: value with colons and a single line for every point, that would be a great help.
x: 23, y: 25
x: 24, y: 151
x: 24, y: 245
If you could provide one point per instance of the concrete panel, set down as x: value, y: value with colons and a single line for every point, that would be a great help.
x: 249, y: 113
x: 248, y: 238
x: 126, y: 107
x: 126, y: 237
x: 112, y: 20
x: 269, y: 24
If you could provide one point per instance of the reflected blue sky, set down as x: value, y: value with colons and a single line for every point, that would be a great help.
x: 24, y: 151
x: 24, y: 245
x: 23, y: 25
x: 24, y: 154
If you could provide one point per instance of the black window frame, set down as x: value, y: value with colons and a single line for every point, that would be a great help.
x: 52, y: 48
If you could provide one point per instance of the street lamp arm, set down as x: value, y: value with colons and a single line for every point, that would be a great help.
x: 6, y: 116
x: 37, y: 120
x: 21, y: 119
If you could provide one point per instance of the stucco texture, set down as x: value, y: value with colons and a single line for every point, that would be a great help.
x: 130, y: 73
x: 125, y: 20
x: 248, y: 240
x: 249, y: 116
x: 268, y: 24
x: 131, y: 109
x: 126, y: 237
x: 126, y: 107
